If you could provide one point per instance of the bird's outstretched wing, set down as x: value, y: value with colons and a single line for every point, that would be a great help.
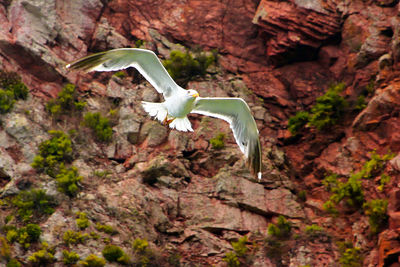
x: 237, y: 113
x: 145, y: 61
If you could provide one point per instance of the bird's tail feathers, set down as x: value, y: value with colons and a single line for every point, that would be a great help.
x: 156, y: 110
x: 181, y: 124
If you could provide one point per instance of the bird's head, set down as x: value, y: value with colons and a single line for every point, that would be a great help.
x: 192, y: 93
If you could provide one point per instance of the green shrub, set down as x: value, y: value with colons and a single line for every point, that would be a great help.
x: 360, y: 103
x: 231, y: 259
x: 350, y: 256
x: 240, y: 250
x: 140, y: 245
x: 12, y: 235
x: 240, y: 246
x: 6, y: 101
x: 183, y: 67
x: 329, y: 108
x: 280, y: 230
x: 5, y: 251
x: 331, y: 181
x: 34, y: 202
x: 376, y: 210
x: 106, y: 229
x: 11, y: 90
x: 100, y: 125
x: 218, y: 141
x: 385, y: 179
x: 13, y: 263
x: 82, y: 221
x: 70, y: 257
x: 114, y: 253
x: 93, y: 261
x: 10, y: 81
x: 375, y: 165
x: 65, y: 102
x: 25, y: 235
x: 351, y: 190
x: 142, y: 252
x: 314, y: 230
x: 298, y: 121
x: 53, y: 153
x: 67, y: 181
x: 72, y: 237
x: 43, y: 257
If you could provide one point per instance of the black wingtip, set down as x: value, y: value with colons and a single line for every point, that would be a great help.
x: 254, y: 160
x: 87, y: 63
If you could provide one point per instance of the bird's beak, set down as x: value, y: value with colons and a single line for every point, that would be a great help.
x: 196, y: 95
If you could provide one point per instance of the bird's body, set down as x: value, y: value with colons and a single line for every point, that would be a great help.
x: 180, y: 102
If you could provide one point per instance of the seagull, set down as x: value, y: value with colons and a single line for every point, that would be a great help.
x: 179, y: 102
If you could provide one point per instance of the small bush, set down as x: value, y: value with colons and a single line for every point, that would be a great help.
x: 114, y: 253
x: 25, y: 235
x: 11, y: 90
x: 70, y: 257
x: 43, y: 257
x: 360, y: 103
x: 67, y: 181
x: 183, y: 67
x: 34, y: 202
x: 93, y: 261
x: 12, y: 235
x: 231, y: 259
x: 350, y: 256
x: 280, y: 230
x: 6, y: 101
x: 65, y: 102
x: 385, y: 179
x: 314, y: 230
x: 5, y: 251
x: 298, y: 121
x: 140, y: 245
x: 13, y: 263
x: 376, y: 210
x: 240, y: 250
x: 82, y: 221
x: 375, y: 165
x: 327, y: 111
x: 218, y: 141
x: 53, y: 152
x: 351, y: 191
x: 240, y: 246
x: 72, y: 237
x: 106, y: 229
x: 100, y: 126
x: 329, y: 108
x: 10, y: 81
x: 330, y: 206
x: 142, y: 252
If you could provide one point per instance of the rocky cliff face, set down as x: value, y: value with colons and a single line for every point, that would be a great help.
x: 188, y: 200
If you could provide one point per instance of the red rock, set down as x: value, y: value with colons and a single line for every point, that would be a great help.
x: 295, y: 32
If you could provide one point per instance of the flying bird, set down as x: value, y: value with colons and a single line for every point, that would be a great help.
x: 180, y: 102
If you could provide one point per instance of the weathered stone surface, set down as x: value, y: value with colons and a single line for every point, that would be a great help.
x: 154, y: 133
x: 253, y: 197
x: 296, y: 30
